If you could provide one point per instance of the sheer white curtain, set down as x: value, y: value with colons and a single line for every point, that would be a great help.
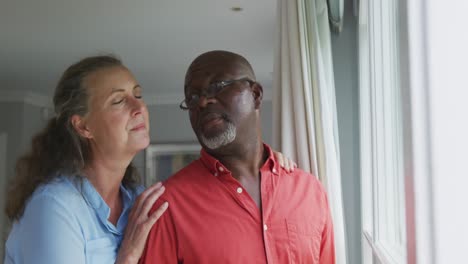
x: 304, y: 105
x: 336, y: 10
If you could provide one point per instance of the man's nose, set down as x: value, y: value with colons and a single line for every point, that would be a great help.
x: 206, y: 99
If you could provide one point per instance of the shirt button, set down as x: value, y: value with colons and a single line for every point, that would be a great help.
x: 239, y: 190
x: 221, y: 169
x: 265, y: 227
x: 274, y: 170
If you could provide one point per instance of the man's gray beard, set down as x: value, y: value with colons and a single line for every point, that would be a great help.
x: 226, y: 137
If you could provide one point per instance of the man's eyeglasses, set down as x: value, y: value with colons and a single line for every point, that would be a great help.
x: 211, y: 91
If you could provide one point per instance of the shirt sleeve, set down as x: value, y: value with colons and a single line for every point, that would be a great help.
x: 50, y: 233
x: 327, y: 246
x: 161, y: 246
x: 8, y: 259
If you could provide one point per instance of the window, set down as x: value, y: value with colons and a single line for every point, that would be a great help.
x: 163, y: 160
x: 382, y: 173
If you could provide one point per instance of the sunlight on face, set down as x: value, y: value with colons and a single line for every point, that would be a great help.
x: 118, y: 117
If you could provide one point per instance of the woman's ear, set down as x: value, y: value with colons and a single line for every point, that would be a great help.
x: 79, y: 124
x: 258, y: 94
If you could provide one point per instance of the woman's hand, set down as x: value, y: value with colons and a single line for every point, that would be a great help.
x: 285, y: 162
x: 139, y: 224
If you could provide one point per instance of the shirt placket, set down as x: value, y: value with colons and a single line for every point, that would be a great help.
x: 267, y: 193
x: 238, y: 193
x: 246, y: 202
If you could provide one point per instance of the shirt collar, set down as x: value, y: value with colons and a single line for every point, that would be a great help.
x: 94, y: 200
x: 271, y: 163
x: 217, y: 168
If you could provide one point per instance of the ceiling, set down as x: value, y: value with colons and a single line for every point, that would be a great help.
x: 156, y: 39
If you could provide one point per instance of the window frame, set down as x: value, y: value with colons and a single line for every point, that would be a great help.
x: 381, y: 134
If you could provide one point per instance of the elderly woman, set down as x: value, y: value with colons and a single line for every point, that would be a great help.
x: 76, y: 197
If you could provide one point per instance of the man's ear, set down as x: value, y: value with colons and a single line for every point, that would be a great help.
x: 79, y: 124
x: 258, y: 94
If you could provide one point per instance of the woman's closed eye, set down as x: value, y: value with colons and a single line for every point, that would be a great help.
x: 138, y: 95
x: 118, y: 100
x: 137, y: 92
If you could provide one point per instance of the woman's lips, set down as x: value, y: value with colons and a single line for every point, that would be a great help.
x: 139, y: 127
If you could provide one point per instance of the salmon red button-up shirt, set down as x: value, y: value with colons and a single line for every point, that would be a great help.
x: 212, y: 219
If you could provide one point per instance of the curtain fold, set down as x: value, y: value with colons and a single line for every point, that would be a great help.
x: 305, y: 125
x: 336, y: 10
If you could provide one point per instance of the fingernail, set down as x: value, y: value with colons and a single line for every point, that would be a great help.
x: 166, y: 204
x: 158, y: 184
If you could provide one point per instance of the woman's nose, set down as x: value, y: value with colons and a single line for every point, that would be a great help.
x: 137, y: 105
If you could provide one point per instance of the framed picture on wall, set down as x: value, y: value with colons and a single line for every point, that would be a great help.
x: 163, y: 160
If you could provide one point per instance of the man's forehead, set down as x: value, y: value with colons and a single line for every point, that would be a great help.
x: 215, y: 71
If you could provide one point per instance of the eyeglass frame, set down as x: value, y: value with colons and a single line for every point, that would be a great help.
x: 216, y: 88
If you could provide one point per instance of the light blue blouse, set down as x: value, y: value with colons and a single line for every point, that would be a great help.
x: 65, y: 221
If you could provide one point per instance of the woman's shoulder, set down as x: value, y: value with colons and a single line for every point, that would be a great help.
x: 53, y: 202
x: 62, y: 189
x: 54, y: 216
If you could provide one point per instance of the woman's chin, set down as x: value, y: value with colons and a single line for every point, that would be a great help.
x: 140, y: 144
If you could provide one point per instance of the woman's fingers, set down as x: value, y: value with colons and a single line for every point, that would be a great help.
x: 151, y: 219
x: 286, y: 163
x: 291, y: 165
x: 147, y: 192
x: 157, y: 214
x: 139, y: 205
x: 140, y: 222
x: 279, y: 158
x: 150, y: 200
x: 287, y: 166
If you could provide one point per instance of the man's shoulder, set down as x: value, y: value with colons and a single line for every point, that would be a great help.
x: 194, y: 167
x: 187, y: 177
x: 302, y: 176
x: 304, y: 180
x: 183, y: 186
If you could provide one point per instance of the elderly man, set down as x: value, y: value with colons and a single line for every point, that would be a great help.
x: 236, y: 204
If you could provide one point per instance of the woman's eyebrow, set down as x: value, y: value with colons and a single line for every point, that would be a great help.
x: 117, y: 90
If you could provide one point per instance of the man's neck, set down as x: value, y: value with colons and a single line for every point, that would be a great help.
x: 244, y: 161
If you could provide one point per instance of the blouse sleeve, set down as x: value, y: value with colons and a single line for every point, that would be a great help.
x: 51, y: 234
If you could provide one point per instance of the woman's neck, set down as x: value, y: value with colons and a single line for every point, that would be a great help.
x: 106, y: 176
